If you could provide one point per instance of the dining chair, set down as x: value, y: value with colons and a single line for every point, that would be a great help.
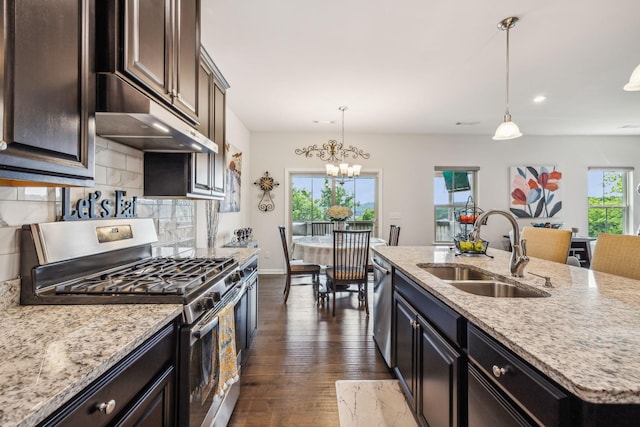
x: 350, y: 260
x: 321, y: 228
x: 394, y: 235
x: 547, y: 243
x: 297, y: 268
x: 617, y: 254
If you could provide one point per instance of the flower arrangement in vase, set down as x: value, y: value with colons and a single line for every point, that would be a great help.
x: 338, y: 215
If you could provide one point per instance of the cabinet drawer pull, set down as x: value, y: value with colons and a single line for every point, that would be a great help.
x: 107, y: 408
x: 498, y: 372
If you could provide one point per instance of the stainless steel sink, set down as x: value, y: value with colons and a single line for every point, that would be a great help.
x: 479, y: 283
x: 456, y: 273
x: 494, y: 288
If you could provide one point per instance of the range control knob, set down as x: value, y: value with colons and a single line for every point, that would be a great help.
x: 236, y: 276
x: 208, y: 303
x: 215, y: 296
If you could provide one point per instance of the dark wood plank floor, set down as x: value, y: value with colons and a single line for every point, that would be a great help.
x: 299, y: 353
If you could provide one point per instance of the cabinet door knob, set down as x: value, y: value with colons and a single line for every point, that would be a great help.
x: 108, y: 407
x: 3, y: 145
x: 498, y: 372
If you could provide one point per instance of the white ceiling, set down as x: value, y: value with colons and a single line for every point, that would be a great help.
x: 421, y: 66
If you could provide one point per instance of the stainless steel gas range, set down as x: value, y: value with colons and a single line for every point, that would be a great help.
x: 111, y: 262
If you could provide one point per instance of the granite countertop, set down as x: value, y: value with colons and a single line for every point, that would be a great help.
x: 585, y: 335
x: 50, y: 353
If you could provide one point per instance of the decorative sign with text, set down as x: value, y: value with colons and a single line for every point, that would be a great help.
x: 92, y: 207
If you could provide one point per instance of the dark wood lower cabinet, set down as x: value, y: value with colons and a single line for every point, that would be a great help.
x: 487, y: 407
x: 454, y: 374
x: 428, y: 368
x: 440, y: 366
x: 138, y: 391
x: 404, y: 348
x: 528, y: 389
x: 156, y: 406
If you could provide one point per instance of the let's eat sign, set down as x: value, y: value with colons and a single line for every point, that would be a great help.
x: 94, y: 207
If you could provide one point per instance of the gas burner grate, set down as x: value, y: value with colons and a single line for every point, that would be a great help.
x: 154, y: 276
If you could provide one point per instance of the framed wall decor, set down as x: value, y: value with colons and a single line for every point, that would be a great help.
x: 535, y: 191
x: 232, y: 179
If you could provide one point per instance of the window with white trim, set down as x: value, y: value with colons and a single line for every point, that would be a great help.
x: 609, y: 200
x: 313, y: 193
x: 454, y: 190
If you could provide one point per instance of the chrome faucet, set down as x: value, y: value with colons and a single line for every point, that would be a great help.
x: 519, y: 258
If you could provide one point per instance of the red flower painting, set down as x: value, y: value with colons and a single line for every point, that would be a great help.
x: 535, y: 191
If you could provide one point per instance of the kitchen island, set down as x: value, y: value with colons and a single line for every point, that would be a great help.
x: 584, y: 335
x: 51, y: 353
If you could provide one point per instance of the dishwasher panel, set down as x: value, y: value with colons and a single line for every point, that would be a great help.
x: 382, y: 306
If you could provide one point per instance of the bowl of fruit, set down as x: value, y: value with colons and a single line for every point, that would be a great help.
x: 464, y: 218
x: 469, y: 247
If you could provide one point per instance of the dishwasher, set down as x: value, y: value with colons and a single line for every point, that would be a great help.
x: 382, y: 306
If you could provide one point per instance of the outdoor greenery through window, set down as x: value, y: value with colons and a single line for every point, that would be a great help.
x: 312, y: 195
x: 453, y: 189
x: 609, y: 207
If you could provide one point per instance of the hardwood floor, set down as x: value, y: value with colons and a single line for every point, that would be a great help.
x: 299, y: 353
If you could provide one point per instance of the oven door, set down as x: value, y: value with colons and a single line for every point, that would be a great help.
x: 199, y: 363
x: 200, y: 370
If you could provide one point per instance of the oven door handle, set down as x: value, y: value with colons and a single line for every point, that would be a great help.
x: 243, y: 290
x: 202, y: 330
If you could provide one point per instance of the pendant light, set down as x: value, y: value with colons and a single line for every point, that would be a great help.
x: 507, y: 129
x: 634, y: 80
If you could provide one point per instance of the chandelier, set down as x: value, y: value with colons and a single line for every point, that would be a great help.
x: 335, y: 154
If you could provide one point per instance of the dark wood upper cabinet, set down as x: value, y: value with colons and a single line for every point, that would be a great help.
x: 194, y: 175
x: 155, y: 44
x: 48, y: 93
x: 217, y: 87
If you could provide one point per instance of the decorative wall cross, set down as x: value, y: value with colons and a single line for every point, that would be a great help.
x: 266, y: 184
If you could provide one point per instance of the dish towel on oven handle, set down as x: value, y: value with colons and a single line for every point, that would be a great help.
x: 227, y: 349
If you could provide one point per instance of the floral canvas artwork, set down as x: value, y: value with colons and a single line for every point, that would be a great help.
x: 535, y: 191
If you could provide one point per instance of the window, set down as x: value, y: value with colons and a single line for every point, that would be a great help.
x: 609, y: 201
x: 454, y: 189
x: 313, y: 194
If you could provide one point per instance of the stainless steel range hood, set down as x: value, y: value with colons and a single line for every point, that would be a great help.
x: 126, y: 115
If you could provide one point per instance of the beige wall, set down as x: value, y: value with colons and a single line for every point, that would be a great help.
x: 407, y: 164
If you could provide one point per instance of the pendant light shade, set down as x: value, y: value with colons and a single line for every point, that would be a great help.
x: 507, y: 129
x: 634, y: 80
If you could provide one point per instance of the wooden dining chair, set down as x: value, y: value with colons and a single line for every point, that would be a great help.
x: 617, y: 254
x: 350, y: 261
x: 547, y: 243
x: 394, y: 235
x: 321, y: 228
x: 297, y: 268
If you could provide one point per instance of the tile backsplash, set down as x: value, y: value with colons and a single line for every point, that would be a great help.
x: 118, y: 167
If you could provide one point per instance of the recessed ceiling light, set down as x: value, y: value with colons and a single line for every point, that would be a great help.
x: 540, y: 98
x: 467, y: 123
x: 630, y: 127
x: 324, y: 122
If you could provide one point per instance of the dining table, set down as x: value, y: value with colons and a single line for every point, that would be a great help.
x: 319, y: 249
